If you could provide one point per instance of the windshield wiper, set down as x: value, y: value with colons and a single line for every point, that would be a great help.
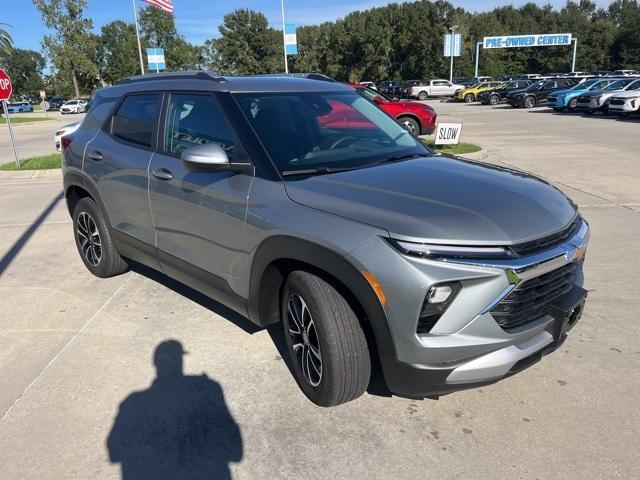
x: 393, y: 158
x: 316, y: 171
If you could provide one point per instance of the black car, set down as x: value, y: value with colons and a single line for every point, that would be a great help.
x: 466, y: 81
x: 497, y: 95
x: 537, y: 92
x: 56, y: 102
x: 391, y: 89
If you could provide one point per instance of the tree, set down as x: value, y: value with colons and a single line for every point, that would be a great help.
x: 71, y: 46
x: 25, y: 68
x: 247, y: 45
x: 159, y: 31
x: 118, y: 51
x: 5, y: 39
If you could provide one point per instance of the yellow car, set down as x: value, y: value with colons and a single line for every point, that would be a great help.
x: 469, y: 94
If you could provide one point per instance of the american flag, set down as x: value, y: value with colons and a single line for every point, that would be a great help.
x: 166, y: 5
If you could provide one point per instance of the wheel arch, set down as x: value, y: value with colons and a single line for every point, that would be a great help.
x: 277, y: 256
x: 411, y: 115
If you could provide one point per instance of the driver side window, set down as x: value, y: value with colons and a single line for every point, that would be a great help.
x: 196, y: 120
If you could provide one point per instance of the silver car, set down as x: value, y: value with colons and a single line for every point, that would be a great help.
x: 298, y: 202
x: 598, y: 100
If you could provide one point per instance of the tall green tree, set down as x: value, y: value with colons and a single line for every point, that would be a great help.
x: 71, y: 46
x: 118, y: 51
x: 5, y: 39
x: 247, y: 45
x: 25, y: 68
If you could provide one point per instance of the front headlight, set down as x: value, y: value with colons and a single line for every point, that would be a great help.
x: 444, y: 252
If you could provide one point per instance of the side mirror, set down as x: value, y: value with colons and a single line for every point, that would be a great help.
x: 211, y: 156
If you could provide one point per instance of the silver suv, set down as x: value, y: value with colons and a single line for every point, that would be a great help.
x: 299, y: 202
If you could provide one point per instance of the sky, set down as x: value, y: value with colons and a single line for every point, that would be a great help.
x: 198, y: 20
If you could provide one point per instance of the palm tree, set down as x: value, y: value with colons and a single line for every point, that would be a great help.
x: 5, y: 39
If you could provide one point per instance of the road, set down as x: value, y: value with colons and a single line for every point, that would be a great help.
x: 74, y: 347
x: 35, y: 138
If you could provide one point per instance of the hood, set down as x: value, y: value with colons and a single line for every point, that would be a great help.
x: 627, y: 94
x: 441, y: 199
x: 597, y: 93
x: 568, y: 91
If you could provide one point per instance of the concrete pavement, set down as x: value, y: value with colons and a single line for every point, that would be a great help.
x: 74, y: 347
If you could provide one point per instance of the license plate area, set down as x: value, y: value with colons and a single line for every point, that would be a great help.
x: 567, y: 311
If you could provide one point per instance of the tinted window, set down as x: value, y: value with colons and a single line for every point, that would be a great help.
x: 196, y: 120
x: 135, y: 119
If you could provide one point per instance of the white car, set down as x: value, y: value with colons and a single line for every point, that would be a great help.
x: 434, y: 88
x: 66, y: 130
x: 74, y: 106
x: 624, y: 103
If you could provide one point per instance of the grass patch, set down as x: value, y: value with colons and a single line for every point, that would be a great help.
x: 458, y: 149
x: 45, y: 162
x: 15, y: 120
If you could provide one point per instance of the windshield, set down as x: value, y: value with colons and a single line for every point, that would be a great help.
x: 635, y: 86
x: 587, y: 85
x: 618, y: 85
x: 370, y: 94
x: 535, y: 86
x: 325, y: 130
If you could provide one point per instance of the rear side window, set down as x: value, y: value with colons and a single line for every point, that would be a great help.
x: 135, y: 119
x: 196, y: 120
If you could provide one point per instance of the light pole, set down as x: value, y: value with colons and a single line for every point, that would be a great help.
x: 284, y: 36
x: 452, y: 50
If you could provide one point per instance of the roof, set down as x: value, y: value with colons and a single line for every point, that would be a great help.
x: 205, y: 80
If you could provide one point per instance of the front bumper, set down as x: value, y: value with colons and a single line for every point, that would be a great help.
x: 629, y: 106
x: 467, y: 347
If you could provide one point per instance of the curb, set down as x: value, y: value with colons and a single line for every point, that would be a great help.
x: 29, y: 174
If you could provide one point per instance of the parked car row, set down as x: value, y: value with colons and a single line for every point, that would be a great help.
x: 606, y: 94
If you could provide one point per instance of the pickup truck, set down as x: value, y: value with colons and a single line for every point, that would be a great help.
x: 434, y: 88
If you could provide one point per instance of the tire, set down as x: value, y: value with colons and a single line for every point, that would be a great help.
x: 529, y: 102
x: 410, y: 124
x: 423, y: 95
x: 494, y: 100
x: 469, y: 97
x: 573, y: 103
x: 332, y: 329
x: 100, y: 257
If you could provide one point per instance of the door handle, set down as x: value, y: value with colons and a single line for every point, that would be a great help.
x: 162, y: 174
x: 96, y: 155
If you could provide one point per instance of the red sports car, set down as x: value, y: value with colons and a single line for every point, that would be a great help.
x: 419, y: 118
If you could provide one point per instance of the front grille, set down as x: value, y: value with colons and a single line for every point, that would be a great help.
x: 545, y: 243
x: 531, y: 299
x: 616, y: 101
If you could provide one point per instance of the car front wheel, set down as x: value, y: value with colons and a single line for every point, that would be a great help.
x: 469, y: 97
x: 94, y: 242
x: 494, y: 99
x: 573, y: 104
x: 326, y: 344
x: 410, y: 124
x: 529, y: 102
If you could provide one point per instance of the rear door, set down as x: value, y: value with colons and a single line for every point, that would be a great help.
x: 117, y: 159
x: 199, y: 214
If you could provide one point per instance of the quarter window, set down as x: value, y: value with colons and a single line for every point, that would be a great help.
x: 196, y: 120
x: 134, y: 122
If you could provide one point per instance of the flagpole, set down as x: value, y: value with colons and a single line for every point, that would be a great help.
x: 284, y: 46
x: 135, y: 16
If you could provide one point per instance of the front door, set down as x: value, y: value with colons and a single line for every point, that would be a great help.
x: 199, y: 215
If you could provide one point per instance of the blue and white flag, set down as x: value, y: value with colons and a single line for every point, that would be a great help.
x: 155, y: 58
x: 290, y: 40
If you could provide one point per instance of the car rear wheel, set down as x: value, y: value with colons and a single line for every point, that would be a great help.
x: 326, y: 344
x: 94, y: 242
x: 529, y: 102
x: 423, y: 95
x: 469, y: 97
x: 410, y: 124
x: 494, y: 99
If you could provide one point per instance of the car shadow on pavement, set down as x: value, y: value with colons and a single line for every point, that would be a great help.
x: 19, y: 244
x: 178, y: 428
x: 195, y: 296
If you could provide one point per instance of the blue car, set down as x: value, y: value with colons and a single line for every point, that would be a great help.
x: 568, y: 99
x: 18, y: 107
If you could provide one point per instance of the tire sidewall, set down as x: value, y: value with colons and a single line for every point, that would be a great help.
x: 416, y: 126
x: 423, y: 96
x: 468, y: 98
x: 324, y: 393
x: 493, y: 100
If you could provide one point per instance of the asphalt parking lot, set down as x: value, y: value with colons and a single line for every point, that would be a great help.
x: 73, y: 348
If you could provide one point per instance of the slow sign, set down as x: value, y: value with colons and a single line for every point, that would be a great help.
x: 448, y: 133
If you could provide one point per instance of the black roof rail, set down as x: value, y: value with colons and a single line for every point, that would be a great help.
x: 308, y: 75
x: 186, y: 75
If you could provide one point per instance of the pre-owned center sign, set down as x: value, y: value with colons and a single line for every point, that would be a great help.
x: 514, y: 41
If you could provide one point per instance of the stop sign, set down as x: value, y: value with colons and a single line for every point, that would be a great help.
x: 5, y: 86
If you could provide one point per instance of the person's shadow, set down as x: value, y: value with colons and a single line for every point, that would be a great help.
x: 179, y: 428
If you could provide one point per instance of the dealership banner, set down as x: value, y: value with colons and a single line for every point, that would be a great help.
x: 514, y: 41
x: 290, y: 39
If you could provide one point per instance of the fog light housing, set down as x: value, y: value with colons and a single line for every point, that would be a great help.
x: 436, y: 302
